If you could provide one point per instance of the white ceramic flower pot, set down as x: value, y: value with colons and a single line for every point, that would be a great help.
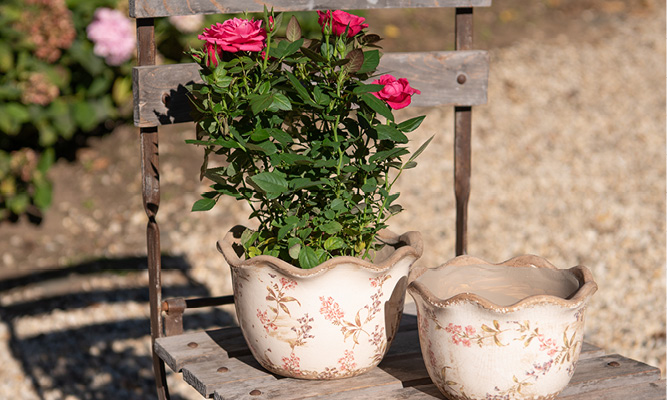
x: 512, y: 330
x: 333, y: 321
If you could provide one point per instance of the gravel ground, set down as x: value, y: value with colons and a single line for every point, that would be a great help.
x: 568, y: 163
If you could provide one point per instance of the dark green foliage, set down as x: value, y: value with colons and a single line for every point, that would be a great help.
x: 306, y: 144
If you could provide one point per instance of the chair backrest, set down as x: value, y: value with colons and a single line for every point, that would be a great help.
x: 457, y: 78
x: 445, y: 77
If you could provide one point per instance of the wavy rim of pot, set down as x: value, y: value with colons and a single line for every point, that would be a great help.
x: 587, y: 285
x: 409, y: 243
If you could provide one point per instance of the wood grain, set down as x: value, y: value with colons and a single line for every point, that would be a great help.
x: 160, y: 94
x: 388, y: 375
x: 651, y: 391
x: 206, y: 377
x: 610, y: 371
x: 219, y: 344
x: 165, y: 8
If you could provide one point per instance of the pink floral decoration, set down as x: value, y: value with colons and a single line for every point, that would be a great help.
x: 397, y: 93
x: 113, y: 35
x: 235, y: 35
x: 331, y: 310
x: 340, y: 21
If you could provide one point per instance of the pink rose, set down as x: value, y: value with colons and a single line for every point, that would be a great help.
x: 235, y: 35
x: 397, y: 93
x: 341, y: 20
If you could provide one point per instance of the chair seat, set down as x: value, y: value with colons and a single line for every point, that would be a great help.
x: 218, y: 363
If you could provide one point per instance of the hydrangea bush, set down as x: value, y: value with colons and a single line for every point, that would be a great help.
x: 306, y: 133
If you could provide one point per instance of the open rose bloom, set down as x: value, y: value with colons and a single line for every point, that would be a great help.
x: 235, y: 35
x: 340, y: 20
x: 397, y: 93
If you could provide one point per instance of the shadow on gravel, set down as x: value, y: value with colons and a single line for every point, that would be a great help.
x: 107, y: 360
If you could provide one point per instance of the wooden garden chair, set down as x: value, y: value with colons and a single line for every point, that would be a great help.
x: 217, y: 362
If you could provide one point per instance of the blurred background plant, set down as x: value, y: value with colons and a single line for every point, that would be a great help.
x: 65, y: 75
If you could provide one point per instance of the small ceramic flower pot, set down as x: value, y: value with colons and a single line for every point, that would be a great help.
x: 336, y: 320
x: 512, y: 330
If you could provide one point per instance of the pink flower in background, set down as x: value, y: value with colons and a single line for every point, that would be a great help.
x: 397, y: 93
x: 341, y: 20
x: 234, y: 35
x: 113, y: 35
x: 187, y: 23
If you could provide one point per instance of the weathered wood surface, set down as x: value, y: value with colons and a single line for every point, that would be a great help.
x: 645, y: 391
x: 160, y: 94
x: 220, y: 365
x: 608, y: 371
x: 165, y: 8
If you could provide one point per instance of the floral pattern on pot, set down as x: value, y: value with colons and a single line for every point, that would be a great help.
x: 334, y: 321
x: 476, y: 350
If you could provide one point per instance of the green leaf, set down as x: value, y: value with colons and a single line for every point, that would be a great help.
x: 372, y: 88
x: 18, y: 203
x: 259, y: 135
x: 43, y: 194
x: 337, y: 205
x: 384, y: 154
x: 334, y: 243
x: 203, y: 205
x: 300, y: 89
x: 371, y: 61
x: 283, y: 137
x: 313, y: 55
x: 46, y: 160
x: 377, y: 105
x: 386, y: 132
x: 411, y: 124
x: 270, y: 182
x: 331, y: 227
x: 266, y: 147
x: 420, y: 149
x: 307, y: 258
x: 293, y: 48
x: 293, y: 32
x: 281, y: 102
x: 370, y: 185
x: 261, y: 102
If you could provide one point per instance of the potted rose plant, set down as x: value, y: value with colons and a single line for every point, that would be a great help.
x: 308, y: 138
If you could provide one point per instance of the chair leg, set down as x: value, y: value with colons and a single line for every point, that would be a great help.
x: 151, y: 199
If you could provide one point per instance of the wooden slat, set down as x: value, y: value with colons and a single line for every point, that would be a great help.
x: 160, y: 94
x: 219, y: 344
x: 206, y: 377
x: 595, y: 374
x: 645, y: 391
x: 390, y: 374
x: 165, y: 8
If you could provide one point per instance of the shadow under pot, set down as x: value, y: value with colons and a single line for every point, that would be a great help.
x: 512, y: 330
x: 336, y: 320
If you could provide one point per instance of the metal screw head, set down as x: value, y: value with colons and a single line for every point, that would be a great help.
x: 192, y: 345
x: 461, y: 79
x: 255, y: 392
x: 614, y: 364
x: 223, y: 369
x: 165, y: 99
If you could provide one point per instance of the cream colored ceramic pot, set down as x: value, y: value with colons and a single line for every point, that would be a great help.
x: 512, y: 330
x: 333, y: 321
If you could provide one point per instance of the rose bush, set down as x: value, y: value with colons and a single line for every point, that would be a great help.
x: 302, y: 137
